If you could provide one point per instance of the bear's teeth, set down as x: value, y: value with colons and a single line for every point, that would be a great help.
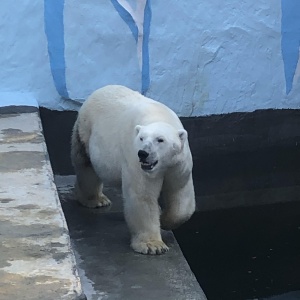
x: 148, y: 166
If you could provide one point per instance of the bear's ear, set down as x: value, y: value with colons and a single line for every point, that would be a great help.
x: 137, y: 129
x: 182, y: 135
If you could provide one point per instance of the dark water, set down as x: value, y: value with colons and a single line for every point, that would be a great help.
x: 244, y: 253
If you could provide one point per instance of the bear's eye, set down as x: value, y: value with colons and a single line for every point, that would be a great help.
x: 160, y: 140
x: 141, y: 139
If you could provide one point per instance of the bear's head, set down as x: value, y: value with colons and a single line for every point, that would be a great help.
x: 159, y: 146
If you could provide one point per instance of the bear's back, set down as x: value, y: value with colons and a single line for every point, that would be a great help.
x: 111, y: 101
x: 114, y: 105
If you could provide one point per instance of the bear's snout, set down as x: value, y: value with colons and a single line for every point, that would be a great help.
x: 143, y: 154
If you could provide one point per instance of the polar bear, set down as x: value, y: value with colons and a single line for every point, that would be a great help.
x: 123, y: 138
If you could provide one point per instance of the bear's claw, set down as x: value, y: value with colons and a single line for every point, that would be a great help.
x: 103, y: 201
x: 151, y: 247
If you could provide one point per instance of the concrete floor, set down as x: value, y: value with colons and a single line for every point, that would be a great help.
x: 108, y: 267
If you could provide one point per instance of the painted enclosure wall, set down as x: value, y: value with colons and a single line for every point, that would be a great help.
x: 198, y: 57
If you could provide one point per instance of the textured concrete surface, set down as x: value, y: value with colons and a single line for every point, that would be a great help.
x: 36, y: 260
x: 108, y: 268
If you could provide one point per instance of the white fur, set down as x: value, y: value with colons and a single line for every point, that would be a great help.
x: 113, y: 125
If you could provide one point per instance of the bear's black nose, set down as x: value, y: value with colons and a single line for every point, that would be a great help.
x: 143, y: 154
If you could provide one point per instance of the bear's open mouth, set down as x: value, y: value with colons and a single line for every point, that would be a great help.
x: 147, y: 166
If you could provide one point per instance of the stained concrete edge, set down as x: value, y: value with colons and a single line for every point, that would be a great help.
x: 18, y: 109
x: 36, y: 261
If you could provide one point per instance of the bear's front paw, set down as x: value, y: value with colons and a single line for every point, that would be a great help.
x: 103, y: 201
x: 150, y: 247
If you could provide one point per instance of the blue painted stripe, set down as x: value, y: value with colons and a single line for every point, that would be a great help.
x: 145, y: 48
x: 54, y: 29
x: 290, y: 42
x: 127, y: 18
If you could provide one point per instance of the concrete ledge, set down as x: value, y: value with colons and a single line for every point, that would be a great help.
x: 109, y: 268
x: 36, y: 260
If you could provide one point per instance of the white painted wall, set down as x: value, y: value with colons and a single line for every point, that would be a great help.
x: 198, y: 57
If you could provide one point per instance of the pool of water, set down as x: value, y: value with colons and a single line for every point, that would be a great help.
x: 245, y: 253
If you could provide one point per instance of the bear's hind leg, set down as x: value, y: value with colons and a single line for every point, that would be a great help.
x: 88, y: 186
x: 88, y: 189
x: 179, y: 204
